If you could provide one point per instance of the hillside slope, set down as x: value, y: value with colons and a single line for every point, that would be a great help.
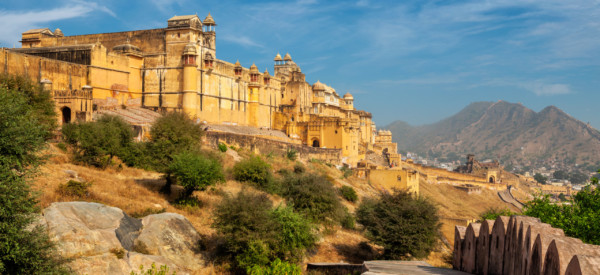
x: 507, y: 131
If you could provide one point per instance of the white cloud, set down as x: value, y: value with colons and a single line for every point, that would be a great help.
x: 242, y: 40
x: 16, y: 22
x: 543, y: 89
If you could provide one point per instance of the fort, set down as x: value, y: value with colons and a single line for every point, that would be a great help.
x: 176, y: 69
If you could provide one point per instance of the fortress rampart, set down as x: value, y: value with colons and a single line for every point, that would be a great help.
x: 521, y: 245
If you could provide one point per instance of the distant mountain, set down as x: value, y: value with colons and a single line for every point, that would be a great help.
x: 510, y: 132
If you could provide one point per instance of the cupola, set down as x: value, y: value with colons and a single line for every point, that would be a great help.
x: 254, y: 74
x: 278, y: 60
x: 208, y: 61
x: 267, y: 77
x: 189, y: 54
x: 209, y: 24
x: 287, y: 58
x: 237, y: 69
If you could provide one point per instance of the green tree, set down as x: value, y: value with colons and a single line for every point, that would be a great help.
x: 577, y: 177
x: 172, y: 134
x: 194, y: 172
x: 97, y: 142
x: 24, y: 249
x: 404, y: 225
x: 560, y: 175
x: 579, y: 219
x: 540, y: 178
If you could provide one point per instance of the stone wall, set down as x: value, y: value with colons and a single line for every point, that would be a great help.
x: 521, y: 245
x: 263, y: 145
x: 438, y: 175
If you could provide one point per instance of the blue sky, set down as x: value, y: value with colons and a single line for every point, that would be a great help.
x: 417, y: 61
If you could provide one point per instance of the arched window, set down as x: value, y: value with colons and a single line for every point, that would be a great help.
x: 315, y: 143
x: 66, y: 114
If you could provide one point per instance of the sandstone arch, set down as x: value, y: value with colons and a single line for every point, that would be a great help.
x: 497, y: 245
x: 583, y: 264
x: 560, y: 252
x: 483, y: 246
x: 531, y: 232
x: 469, y: 248
x: 538, y: 253
x: 459, y: 237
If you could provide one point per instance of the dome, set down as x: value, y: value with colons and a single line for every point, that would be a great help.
x: 277, y: 57
x: 348, y: 96
x: 209, y: 21
x: 318, y: 86
x: 127, y: 48
x: 287, y: 57
x: 253, y: 68
x: 237, y: 64
x: 266, y: 73
x: 58, y: 32
x: 190, y: 49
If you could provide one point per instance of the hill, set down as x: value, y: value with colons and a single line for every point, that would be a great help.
x: 510, y: 132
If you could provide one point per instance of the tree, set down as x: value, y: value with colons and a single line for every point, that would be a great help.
x: 257, y: 171
x: 579, y: 219
x: 25, y: 124
x: 540, y: 178
x: 404, y: 225
x: 577, y: 177
x: 194, y: 172
x: 172, y: 134
x: 560, y: 175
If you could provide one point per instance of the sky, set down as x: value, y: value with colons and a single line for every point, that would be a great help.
x: 417, y: 61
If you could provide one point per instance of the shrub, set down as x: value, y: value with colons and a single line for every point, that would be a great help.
x: 153, y: 270
x: 404, y: 225
x: 292, y: 154
x: 299, y: 168
x: 275, y: 268
x: 194, y: 172
x: 348, y: 221
x: 257, y: 234
x: 257, y: 171
x: 118, y: 252
x: 349, y: 193
x: 313, y: 196
x: 222, y: 147
x: 346, y: 172
x: 74, y: 188
x: 493, y: 213
x: 96, y: 143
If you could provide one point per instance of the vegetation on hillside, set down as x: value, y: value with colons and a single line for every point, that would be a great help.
x: 579, y: 219
x: 404, y: 225
x: 27, y: 120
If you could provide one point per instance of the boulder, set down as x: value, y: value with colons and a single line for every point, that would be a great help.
x: 104, y: 240
x: 171, y: 236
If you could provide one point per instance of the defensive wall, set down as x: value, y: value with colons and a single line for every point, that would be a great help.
x: 521, y: 245
x: 264, y: 145
x: 439, y: 175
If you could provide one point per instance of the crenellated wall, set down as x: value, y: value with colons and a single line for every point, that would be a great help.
x: 521, y: 245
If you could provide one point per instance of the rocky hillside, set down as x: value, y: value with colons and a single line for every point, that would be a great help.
x: 507, y: 131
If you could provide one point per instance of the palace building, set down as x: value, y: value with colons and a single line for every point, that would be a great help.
x: 176, y: 69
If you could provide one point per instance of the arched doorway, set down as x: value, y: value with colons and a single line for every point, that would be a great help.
x: 492, y: 179
x: 316, y: 143
x: 66, y: 114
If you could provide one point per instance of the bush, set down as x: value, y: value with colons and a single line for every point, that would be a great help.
x: 194, y: 172
x: 27, y: 119
x: 404, y: 225
x: 153, y: 270
x: 313, y: 196
x: 222, y: 147
x: 349, y: 193
x: 74, y: 188
x: 299, y: 168
x: 346, y: 172
x: 275, y: 268
x: 257, y: 234
x: 96, y: 143
x: 494, y: 213
x: 257, y: 171
x: 292, y: 154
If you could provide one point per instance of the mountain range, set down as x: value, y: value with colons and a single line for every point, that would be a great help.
x: 509, y: 132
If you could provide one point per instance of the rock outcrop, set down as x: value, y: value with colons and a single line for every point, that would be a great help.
x: 104, y: 240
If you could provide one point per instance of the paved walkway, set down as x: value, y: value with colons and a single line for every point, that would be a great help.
x: 407, y: 267
x: 507, y: 197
